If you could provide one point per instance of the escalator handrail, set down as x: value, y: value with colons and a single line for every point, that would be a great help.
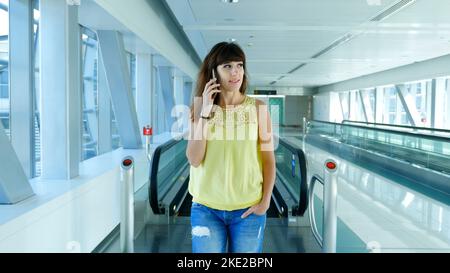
x: 153, y: 189
x: 303, y: 198
x: 347, y: 121
x: 423, y: 136
x: 312, y: 216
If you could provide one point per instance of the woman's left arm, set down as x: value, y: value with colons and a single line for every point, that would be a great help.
x: 265, y: 138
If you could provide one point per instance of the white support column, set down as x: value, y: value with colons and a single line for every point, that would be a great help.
x: 353, y: 106
x: 187, y: 92
x: 440, y: 103
x: 144, y: 83
x: 447, y: 114
x: 180, y: 121
x: 60, y: 87
x: 21, y: 82
x: 379, y: 104
x: 104, y: 111
x: 433, y: 104
x: 154, y: 97
x: 178, y: 87
x: 166, y: 88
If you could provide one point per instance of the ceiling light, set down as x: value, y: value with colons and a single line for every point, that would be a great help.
x: 392, y: 10
x: 230, y: 1
x: 374, y: 2
x: 231, y: 40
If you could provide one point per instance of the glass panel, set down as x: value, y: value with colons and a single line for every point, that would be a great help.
x: 284, y: 162
x: 171, y: 162
x: 37, y: 92
x: 419, y: 91
x: 89, y: 94
x: 116, y: 142
x: 432, y: 153
x: 133, y: 75
x: 4, y: 60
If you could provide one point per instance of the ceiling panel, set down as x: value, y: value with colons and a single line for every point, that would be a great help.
x: 272, y: 44
x: 393, y: 46
x: 277, y: 36
x: 305, y: 12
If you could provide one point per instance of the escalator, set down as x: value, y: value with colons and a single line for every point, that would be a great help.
x: 169, y: 179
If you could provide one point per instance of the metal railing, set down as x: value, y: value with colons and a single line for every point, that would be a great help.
x: 127, y: 205
x: 328, y: 240
x: 445, y: 131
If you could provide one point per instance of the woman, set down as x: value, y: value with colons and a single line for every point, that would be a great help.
x: 231, y: 154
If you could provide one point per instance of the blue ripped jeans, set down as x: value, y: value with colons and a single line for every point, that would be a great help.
x: 212, y: 230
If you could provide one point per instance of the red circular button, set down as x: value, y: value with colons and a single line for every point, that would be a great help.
x: 127, y: 162
x: 331, y: 165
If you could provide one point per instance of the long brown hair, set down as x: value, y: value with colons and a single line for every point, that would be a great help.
x: 221, y: 53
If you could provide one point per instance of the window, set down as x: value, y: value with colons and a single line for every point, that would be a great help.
x: 89, y: 56
x: 37, y: 93
x: 132, y: 67
x: 4, y: 60
x: 419, y: 91
x: 116, y: 143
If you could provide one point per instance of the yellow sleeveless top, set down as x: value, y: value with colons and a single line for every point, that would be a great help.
x: 230, y: 176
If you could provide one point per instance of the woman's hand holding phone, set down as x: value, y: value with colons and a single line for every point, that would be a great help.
x: 209, y: 94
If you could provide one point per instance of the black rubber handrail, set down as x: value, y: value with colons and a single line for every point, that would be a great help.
x: 302, y: 205
x: 423, y: 136
x: 346, y: 121
x: 153, y: 189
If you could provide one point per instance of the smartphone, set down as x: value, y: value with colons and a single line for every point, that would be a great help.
x: 214, y: 77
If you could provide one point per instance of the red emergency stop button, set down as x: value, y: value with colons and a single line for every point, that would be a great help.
x: 331, y: 165
x: 127, y: 162
x: 148, y: 131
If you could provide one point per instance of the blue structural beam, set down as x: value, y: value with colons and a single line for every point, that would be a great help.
x: 14, y: 185
x: 118, y: 78
x: 21, y: 76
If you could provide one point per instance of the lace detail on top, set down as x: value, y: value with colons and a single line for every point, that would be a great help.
x: 244, y: 113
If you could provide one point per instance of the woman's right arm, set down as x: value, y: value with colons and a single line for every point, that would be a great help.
x: 196, y: 148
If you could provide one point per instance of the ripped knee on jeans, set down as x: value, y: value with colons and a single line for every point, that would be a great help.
x: 201, y: 231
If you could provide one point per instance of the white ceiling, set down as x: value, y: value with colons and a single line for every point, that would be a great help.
x: 92, y: 16
x: 278, y: 36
